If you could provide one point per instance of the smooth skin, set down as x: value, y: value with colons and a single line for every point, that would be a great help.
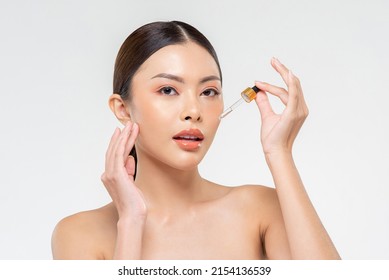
x: 169, y: 211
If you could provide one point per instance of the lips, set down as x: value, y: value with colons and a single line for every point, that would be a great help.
x: 189, y: 139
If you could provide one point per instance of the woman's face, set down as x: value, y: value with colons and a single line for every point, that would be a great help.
x: 176, y: 100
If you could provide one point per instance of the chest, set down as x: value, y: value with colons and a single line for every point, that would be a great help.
x: 201, y: 237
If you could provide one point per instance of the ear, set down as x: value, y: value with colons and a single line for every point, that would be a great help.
x: 119, y: 108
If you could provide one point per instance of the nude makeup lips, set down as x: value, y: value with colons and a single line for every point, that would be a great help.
x: 189, y: 139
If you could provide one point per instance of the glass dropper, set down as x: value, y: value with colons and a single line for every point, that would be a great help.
x: 247, y: 95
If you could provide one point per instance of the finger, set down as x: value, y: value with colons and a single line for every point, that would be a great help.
x: 274, y: 90
x: 264, y: 106
x: 120, y: 146
x: 295, y: 94
x: 300, y: 95
x: 131, y: 140
x: 130, y: 165
x: 280, y: 68
x: 112, y: 143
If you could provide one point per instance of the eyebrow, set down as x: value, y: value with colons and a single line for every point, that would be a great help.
x: 181, y: 80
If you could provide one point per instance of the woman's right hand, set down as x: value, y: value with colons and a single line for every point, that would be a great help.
x: 118, y: 177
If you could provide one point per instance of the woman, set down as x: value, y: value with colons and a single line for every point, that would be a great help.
x: 167, y: 93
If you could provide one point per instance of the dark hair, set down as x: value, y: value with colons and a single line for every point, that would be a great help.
x: 144, y: 42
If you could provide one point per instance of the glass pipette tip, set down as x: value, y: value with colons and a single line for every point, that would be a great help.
x: 232, y: 107
x: 247, y: 95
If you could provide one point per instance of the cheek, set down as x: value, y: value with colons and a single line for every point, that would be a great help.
x: 213, y: 125
x: 154, y: 119
x: 214, y: 109
x: 145, y: 111
x: 212, y: 114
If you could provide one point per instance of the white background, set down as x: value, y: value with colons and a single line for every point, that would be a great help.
x: 56, y: 66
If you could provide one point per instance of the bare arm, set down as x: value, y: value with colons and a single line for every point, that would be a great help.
x: 118, y: 178
x: 305, y: 233
x: 129, y: 240
x: 307, y: 237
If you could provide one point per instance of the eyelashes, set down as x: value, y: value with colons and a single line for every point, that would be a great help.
x: 170, y: 91
x: 210, y: 92
x: 167, y: 91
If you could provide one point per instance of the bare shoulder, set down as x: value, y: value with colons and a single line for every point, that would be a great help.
x: 256, y: 194
x: 264, y: 208
x: 261, y: 201
x: 80, y: 236
x: 252, y: 194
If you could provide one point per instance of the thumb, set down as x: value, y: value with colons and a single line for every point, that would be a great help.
x: 130, y: 166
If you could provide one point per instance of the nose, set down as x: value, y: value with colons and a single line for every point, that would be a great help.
x: 191, y: 109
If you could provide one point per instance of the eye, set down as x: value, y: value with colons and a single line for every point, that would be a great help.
x: 168, y: 91
x: 210, y: 92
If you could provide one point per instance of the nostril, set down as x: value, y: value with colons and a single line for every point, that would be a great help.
x: 187, y: 118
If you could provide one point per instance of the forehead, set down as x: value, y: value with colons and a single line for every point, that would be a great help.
x: 188, y: 59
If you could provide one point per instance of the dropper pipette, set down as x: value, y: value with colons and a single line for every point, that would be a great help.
x: 247, y: 95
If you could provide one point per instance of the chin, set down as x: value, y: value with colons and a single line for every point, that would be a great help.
x: 186, y: 164
x: 184, y: 160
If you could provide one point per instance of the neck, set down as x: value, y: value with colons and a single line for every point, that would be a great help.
x: 167, y: 188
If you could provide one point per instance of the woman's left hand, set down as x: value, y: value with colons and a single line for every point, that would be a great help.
x: 279, y: 131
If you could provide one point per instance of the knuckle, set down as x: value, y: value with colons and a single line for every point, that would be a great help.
x: 103, y: 177
x: 298, y: 115
x: 108, y: 177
